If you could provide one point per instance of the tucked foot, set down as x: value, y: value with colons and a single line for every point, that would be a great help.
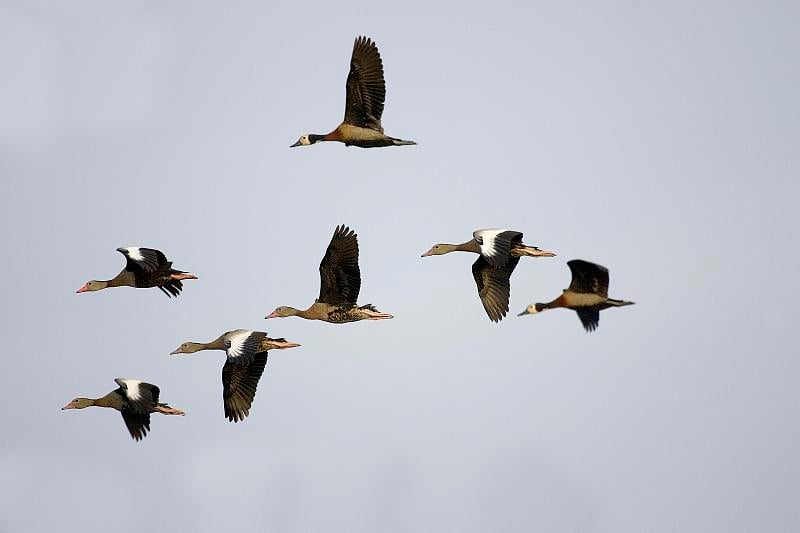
x: 167, y: 410
x: 533, y: 251
x: 376, y: 315
x: 184, y: 275
x: 279, y: 344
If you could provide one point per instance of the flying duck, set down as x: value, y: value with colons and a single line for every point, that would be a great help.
x: 499, y: 251
x: 587, y: 294
x: 135, y: 400
x: 145, y: 268
x: 366, y: 92
x: 340, y: 283
x: 246, y: 353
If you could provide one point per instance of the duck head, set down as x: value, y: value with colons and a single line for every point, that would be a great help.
x: 440, y: 249
x: 533, y: 309
x: 93, y: 285
x: 307, y: 140
x: 187, y: 347
x: 283, y: 311
x: 79, y: 403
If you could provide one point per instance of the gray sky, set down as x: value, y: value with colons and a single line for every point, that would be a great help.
x: 658, y: 139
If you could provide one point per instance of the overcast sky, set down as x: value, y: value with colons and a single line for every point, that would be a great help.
x: 659, y: 139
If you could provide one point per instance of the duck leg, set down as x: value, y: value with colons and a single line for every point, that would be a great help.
x: 531, y: 251
x: 183, y: 275
x: 167, y: 410
x: 376, y: 315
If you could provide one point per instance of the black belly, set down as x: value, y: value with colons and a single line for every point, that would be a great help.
x: 153, y: 279
x: 373, y: 143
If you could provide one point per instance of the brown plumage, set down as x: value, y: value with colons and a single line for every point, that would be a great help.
x: 246, y: 352
x: 144, y: 268
x: 135, y: 400
x: 366, y: 93
x: 587, y: 294
x: 340, y: 283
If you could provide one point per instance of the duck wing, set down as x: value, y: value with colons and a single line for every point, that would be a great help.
x: 143, y: 260
x: 172, y: 287
x: 366, y: 88
x: 241, y: 345
x: 139, y: 395
x: 495, y: 244
x: 340, y: 276
x: 138, y: 424
x: 590, y: 317
x: 588, y: 277
x: 494, y: 286
x: 138, y: 400
x: 239, y: 384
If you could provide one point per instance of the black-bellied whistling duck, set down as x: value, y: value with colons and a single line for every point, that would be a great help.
x: 499, y: 251
x: 135, y: 400
x: 340, y: 283
x: 145, y: 268
x: 366, y: 92
x: 246, y: 353
x: 587, y: 294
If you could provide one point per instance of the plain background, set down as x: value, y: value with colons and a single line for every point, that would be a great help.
x: 657, y: 138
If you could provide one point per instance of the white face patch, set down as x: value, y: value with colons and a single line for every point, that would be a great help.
x: 305, y: 141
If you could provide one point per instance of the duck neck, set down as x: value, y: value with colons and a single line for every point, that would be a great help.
x: 558, y: 302
x: 216, y: 344
x: 105, y: 401
x: 309, y: 314
x: 123, y: 279
x: 469, y: 246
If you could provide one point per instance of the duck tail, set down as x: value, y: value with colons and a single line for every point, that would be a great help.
x: 401, y: 142
x: 618, y: 303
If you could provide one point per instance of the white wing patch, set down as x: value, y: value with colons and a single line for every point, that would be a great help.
x: 486, y: 240
x: 135, y: 253
x: 237, y: 339
x: 132, y: 388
